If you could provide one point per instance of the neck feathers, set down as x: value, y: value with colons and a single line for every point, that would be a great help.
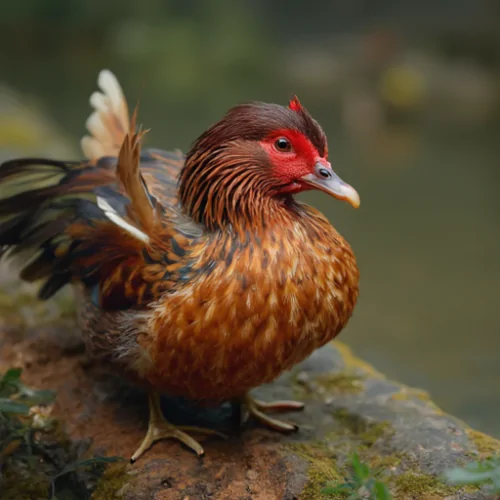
x: 228, y: 186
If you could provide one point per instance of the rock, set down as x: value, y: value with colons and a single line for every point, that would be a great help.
x: 350, y: 408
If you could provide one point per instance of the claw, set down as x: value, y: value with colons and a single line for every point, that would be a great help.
x: 258, y: 410
x: 279, y: 406
x: 159, y: 428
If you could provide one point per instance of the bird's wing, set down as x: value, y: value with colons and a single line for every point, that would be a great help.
x: 81, y: 222
x: 161, y: 170
x: 109, y: 222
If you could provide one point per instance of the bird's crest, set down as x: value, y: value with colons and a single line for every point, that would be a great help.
x: 294, y: 104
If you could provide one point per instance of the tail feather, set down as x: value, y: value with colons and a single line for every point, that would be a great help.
x: 142, y: 206
x: 109, y: 122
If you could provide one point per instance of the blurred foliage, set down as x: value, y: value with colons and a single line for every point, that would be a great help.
x: 486, y: 472
x: 192, y: 59
x: 188, y: 61
x: 37, y: 460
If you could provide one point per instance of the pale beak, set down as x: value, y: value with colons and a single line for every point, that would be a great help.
x: 325, y: 179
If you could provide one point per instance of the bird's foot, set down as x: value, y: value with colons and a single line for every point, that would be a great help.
x: 160, y: 428
x: 258, y: 410
x: 165, y: 430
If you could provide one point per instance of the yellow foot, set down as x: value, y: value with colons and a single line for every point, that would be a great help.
x: 258, y: 409
x: 159, y: 428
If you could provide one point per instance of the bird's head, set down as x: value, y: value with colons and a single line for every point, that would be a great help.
x: 258, y: 152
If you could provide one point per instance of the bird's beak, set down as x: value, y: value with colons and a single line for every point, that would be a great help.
x: 325, y: 179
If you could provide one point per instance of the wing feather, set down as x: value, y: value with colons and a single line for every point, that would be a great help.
x: 112, y: 223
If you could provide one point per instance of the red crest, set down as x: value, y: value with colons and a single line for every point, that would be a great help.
x: 294, y: 104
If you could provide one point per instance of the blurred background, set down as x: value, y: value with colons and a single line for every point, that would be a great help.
x: 409, y: 95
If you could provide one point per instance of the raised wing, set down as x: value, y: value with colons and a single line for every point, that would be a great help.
x: 109, y: 222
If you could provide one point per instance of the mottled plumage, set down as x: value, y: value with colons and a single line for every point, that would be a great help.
x: 201, y: 275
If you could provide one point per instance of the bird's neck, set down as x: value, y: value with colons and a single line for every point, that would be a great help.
x: 223, y: 191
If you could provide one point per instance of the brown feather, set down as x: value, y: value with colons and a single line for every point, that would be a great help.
x: 267, y: 303
x: 128, y: 172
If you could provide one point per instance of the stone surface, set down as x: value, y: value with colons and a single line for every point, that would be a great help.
x: 351, y: 407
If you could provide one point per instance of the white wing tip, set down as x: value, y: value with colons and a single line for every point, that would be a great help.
x: 113, y: 216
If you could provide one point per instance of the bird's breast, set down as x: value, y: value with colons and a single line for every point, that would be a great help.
x: 253, y: 317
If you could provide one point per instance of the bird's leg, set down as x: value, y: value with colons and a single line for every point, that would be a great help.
x: 160, y: 428
x: 258, y: 409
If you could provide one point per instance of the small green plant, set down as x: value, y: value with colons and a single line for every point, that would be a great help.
x: 485, y: 472
x: 20, y: 416
x: 16, y: 398
x: 362, y: 485
x: 89, y: 463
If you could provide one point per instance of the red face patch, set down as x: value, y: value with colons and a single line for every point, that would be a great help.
x: 289, y: 165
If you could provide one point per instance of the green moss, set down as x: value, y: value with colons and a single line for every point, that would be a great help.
x: 322, y: 469
x: 15, y: 485
x: 410, y: 393
x: 329, y: 384
x: 486, y: 445
x: 113, y: 482
x: 328, y: 460
x: 338, y: 383
x: 317, y: 480
x: 421, y: 486
x: 355, y: 365
x: 327, y: 466
x: 359, y: 429
x: 358, y: 366
x: 384, y: 464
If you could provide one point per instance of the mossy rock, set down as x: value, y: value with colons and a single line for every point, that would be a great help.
x: 406, y: 440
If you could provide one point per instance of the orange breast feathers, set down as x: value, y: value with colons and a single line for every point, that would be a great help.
x: 257, y: 307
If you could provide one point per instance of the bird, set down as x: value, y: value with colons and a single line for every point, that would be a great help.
x: 197, y: 275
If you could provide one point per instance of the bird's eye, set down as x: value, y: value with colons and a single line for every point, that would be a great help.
x: 283, y: 145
